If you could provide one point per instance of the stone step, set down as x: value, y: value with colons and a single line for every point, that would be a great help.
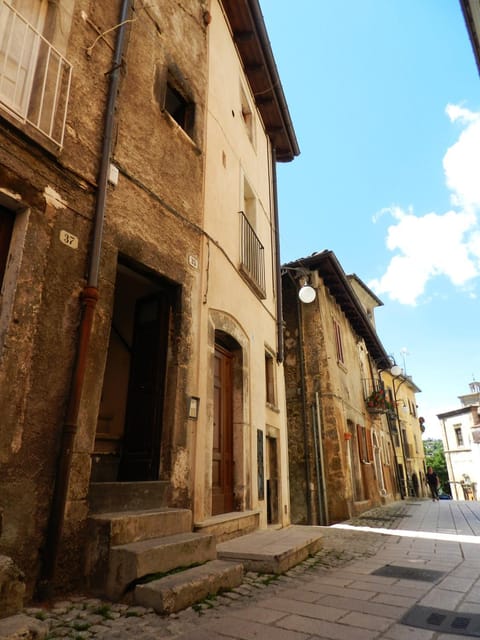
x: 130, y: 562
x: 272, y: 551
x: 180, y: 590
x: 131, y: 526
x: 126, y: 496
x: 106, y: 530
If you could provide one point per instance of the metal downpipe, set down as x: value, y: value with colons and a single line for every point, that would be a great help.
x: 278, y: 273
x: 89, y: 299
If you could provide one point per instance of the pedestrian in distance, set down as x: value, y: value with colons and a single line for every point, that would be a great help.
x: 433, y: 482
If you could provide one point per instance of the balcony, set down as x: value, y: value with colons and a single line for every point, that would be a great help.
x: 375, y: 397
x: 34, y: 77
x: 252, y: 258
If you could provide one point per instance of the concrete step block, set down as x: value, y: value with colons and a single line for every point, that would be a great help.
x: 272, y: 551
x: 130, y: 562
x: 132, y: 526
x: 180, y: 590
x: 108, y: 530
x: 124, y: 496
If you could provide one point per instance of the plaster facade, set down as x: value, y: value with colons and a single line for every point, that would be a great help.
x: 460, y: 430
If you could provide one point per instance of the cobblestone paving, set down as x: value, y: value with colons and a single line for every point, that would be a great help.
x: 85, y: 618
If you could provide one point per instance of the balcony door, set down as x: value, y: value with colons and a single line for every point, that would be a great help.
x: 21, y: 21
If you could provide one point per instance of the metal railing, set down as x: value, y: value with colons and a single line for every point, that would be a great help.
x: 252, y: 255
x: 34, y: 76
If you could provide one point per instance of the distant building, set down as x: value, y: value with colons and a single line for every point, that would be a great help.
x: 407, y: 429
x: 341, y: 452
x: 461, y: 443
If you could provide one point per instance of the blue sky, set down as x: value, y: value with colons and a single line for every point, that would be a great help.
x: 384, y: 96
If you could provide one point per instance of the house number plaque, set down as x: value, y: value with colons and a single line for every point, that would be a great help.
x: 69, y: 239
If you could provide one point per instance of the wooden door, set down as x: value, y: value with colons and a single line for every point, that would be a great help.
x: 146, y: 389
x: 222, y: 454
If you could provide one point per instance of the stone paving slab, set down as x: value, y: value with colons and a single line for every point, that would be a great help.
x: 337, y: 579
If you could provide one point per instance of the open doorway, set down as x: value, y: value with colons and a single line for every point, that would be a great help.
x: 130, y: 421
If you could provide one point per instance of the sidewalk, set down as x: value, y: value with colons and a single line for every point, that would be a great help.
x: 414, y: 562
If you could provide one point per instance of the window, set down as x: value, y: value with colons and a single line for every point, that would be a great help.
x: 338, y: 342
x: 34, y: 76
x: 270, y: 378
x: 364, y: 444
x: 249, y: 203
x: 6, y: 227
x: 181, y: 110
x: 459, y: 436
x: 252, y: 252
x: 247, y: 115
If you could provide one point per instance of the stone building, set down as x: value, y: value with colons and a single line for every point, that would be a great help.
x: 341, y: 453
x: 407, y: 429
x: 127, y: 305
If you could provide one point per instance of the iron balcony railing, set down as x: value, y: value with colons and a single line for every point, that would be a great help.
x: 252, y: 256
x: 34, y: 77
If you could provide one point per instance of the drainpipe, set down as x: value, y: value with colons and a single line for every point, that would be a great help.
x: 89, y: 299
x: 320, y: 492
x: 400, y: 432
x: 278, y: 274
x: 322, y: 459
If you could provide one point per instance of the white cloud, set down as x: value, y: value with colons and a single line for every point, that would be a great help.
x: 435, y: 244
x: 461, y: 162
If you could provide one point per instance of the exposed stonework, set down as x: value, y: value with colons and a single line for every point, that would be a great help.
x: 12, y: 587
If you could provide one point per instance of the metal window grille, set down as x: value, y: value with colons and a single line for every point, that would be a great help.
x: 252, y: 255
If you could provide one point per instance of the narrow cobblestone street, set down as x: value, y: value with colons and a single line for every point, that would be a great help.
x: 83, y: 617
x: 406, y: 570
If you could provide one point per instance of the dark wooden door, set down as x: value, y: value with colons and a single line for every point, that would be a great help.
x: 146, y: 389
x: 222, y: 454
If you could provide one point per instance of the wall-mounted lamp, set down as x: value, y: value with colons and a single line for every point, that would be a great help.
x: 193, y: 403
x: 307, y: 293
x: 396, y: 370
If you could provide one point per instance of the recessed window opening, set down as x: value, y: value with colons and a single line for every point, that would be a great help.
x: 181, y: 110
x: 338, y: 342
x: 247, y: 115
x: 459, y: 436
x: 269, y: 378
x: 6, y: 227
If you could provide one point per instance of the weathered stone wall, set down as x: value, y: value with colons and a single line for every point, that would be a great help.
x: 153, y: 216
x: 339, y: 390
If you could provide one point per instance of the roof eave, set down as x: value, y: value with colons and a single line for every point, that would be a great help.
x: 251, y: 39
x: 335, y: 279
